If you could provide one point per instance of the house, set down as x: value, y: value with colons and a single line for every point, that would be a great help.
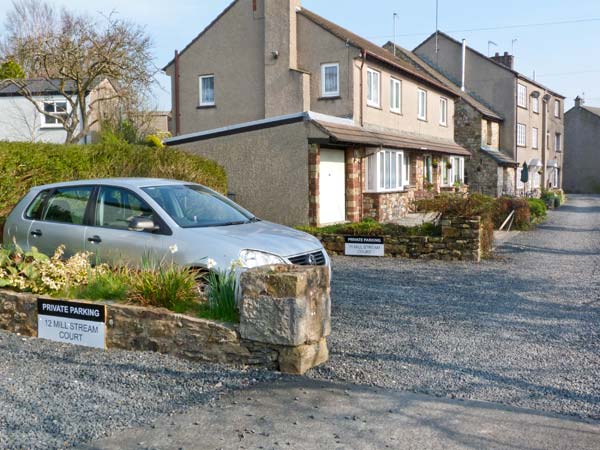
x: 20, y: 120
x: 313, y: 124
x: 533, y: 126
x: 582, y: 138
x: 477, y: 128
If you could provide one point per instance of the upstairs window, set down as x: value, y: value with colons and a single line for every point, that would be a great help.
x: 556, y: 108
x: 535, y: 104
x: 443, y: 111
x: 534, y: 138
x: 57, y: 108
x: 557, y: 142
x: 522, y: 96
x: 373, y: 87
x: 521, y: 135
x: 422, y: 104
x: 207, y: 90
x: 395, y: 96
x: 330, y: 79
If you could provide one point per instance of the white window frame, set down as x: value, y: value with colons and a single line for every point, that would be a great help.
x: 521, y: 135
x: 535, y: 104
x: 557, y: 142
x: 201, y: 101
x: 535, y: 136
x: 557, y: 108
x: 522, y: 95
x: 421, y: 104
x: 324, y: 92
x: 428, y: 168
x: 373, y: 88
x: 456, y: 169
x: 395, y: 87
x: 51, y: 122
x: 386, y: 171
x: 443, y: 111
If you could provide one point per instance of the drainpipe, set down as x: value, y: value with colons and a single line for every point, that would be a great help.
x: 545, y: 103
x: 464, y: 55
x: 362, y: 84
x: 177, y: 106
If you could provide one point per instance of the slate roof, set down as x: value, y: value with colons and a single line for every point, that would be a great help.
x: 36, y: 87
x: 422, y: 65
x: 499, y: 157
x: 592, y: 109
x: 518, y: 74
x: 373, y: 50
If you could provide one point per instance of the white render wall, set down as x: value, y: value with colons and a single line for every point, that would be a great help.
x: 20, y: 121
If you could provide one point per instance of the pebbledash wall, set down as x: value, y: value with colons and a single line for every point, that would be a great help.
x: 461, y: 240
x: 285, y: 318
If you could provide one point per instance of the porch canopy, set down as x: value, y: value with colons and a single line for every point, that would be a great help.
x: 350, y: 134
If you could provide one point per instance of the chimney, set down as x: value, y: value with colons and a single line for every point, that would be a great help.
x: 281, y: 54
x: 579, y: 101
x: 506, y: 60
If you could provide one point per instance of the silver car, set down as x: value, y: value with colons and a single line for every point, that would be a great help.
x: 125, y: 220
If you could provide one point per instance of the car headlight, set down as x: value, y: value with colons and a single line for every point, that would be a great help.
x: 254, y: 258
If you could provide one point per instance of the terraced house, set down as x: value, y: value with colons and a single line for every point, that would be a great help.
x: 313, y: 123
x: 532, y: 130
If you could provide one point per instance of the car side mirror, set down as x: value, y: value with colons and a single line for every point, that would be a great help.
x: 142, y: 224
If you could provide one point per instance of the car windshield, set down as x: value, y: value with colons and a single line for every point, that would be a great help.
x: 194, y: 206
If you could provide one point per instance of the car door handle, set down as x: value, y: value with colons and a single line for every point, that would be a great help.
x: 95, y: 239
x: 36, y: 233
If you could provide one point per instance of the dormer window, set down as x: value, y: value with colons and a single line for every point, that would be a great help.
x: 330, y: 80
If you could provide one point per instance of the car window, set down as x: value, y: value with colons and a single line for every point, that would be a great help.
x: 116, y: 207
x: 67, y: 205
x: 36, y: 208
x: 194, y: 206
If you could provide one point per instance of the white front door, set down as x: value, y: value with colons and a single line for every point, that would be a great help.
x: 332, y: 187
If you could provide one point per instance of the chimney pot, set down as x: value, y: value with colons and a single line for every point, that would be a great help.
x: 497, y: 54
x: 579, y: 101
x: 505, y: 53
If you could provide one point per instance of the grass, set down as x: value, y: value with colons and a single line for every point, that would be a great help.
x: 221, y: 303
x: 110, y: 285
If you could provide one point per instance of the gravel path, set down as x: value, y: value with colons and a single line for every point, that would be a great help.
x: 522, y: 329
x: 54, y: 395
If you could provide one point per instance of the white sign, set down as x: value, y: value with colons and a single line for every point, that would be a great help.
x: 72, y: 323
x: 364, y: 246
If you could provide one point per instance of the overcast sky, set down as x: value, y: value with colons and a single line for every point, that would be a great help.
x: 564, y: 56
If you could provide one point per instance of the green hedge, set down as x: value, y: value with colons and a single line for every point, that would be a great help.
x: 24, y: 165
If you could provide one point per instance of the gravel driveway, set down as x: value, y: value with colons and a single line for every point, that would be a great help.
x: 522, y: 329
x: 54, y: 395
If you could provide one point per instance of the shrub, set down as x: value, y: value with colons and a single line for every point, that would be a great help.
x: 164, y: 285
x: 452, y: 205
x: 370, y: 227
x: 503, y: 207
x: 221, y: 305
x: 35, y: 272
x: 24, y: 165
x: 153, y: 140
x: 537, y: 208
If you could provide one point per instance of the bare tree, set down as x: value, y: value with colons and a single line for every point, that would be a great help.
x: 74, y: 54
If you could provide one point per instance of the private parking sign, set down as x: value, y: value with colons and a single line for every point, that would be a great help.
x: 72, y: 322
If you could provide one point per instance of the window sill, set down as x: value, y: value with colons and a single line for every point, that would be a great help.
x: 392, y: 191
x: 445, y: 125
x: 422, y: 119
x: 206, y: 106
x: 329, y: 97
x: 52, y: 127
x: 398, y: 113
x: 522, y: 107
x: 369, y: 105
x: 521, y: 146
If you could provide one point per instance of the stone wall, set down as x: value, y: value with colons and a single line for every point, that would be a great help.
x: 387, y: 206
x: 285, y: 320
x: 460, y: 241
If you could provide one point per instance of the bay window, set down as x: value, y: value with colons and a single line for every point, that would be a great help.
x: 387, y: 170
x: 453, y: 170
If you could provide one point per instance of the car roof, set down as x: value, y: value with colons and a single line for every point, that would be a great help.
x: 124, y: 182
